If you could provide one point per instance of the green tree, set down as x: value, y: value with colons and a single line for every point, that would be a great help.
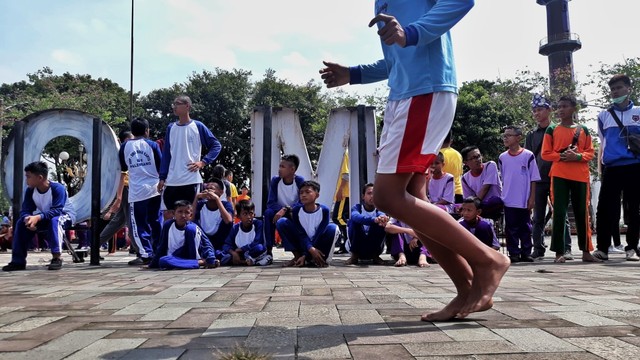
x: 600, y: 78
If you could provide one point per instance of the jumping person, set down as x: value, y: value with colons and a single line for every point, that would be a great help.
x: 418, y: 62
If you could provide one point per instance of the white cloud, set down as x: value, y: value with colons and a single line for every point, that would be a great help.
x: 296, y: 59
x: 66, y: 57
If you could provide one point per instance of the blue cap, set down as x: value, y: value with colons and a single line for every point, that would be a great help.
x: 540, y: 101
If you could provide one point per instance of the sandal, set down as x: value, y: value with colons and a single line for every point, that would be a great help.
x: 560, y: 260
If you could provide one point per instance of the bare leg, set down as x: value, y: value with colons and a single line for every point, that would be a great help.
x: 487, y: 266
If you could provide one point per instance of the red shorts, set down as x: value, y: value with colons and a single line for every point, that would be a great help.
x: 413, y: 132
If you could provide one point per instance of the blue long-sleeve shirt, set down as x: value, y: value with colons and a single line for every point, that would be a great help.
x: 192, y: 235
x: 426, y: 64
x: 614, y: 148
x: 272, y: 199
x: 306, y: 241
x: 58, y: 200
x: 230, y: 243
x: 357, y: 218
x: 205, y: 139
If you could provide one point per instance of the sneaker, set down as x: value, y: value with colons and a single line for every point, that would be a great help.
x: 514, y: 259
x: 265, y: 260
x: 140, y: 261
x: 567, y: 255
x: 600, y: 255
x: 14, y: 267
x: 632, y: 256
x: 55, y: 264
x: 616, y: 249
x: 526, y: 258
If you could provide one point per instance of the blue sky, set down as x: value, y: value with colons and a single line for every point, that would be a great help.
x: 174, y: 38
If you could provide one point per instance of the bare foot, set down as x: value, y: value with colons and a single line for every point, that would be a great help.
x: 249, y: 262
x: 449, y: 312
x: 422, y: 261
x: 402, y: 261
x: 484, y: 285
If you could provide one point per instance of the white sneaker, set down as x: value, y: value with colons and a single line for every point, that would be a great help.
x: 567, y: 255
x: 600, y: 255
x: 632, y: 256
x: 616, y: 249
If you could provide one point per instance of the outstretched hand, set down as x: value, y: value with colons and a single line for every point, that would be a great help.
x: 334, y: 74
x: 392, y: 32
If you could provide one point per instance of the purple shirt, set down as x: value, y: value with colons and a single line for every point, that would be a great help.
x: 471, y: 185
x: 482, y: 230
x: 518, y: 172
x: 442, y: 189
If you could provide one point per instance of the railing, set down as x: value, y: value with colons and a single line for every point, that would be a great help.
x: 560, y: 38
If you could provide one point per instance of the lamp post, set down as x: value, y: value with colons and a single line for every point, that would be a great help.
x: 80, y: 169
x: 63, y: 156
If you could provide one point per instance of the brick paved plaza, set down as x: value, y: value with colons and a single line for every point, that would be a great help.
x: 542, y: 311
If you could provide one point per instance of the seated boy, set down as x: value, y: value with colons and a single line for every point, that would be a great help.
x: 482, y: 181
x: 283, y: 195
x: 308, y: 234
x: 471, y: 220
x: 406, y: 248
x: 366, y: 230
x: 441, y: 187
x: 183, y: 245
x: 46, y: 207
x: 213, y: 214
x: 6, y: 235
x: 244, y: 245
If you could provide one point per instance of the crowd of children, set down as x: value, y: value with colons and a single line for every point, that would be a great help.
x: 217, y: 226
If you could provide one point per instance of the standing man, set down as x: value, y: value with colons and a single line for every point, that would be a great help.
x: 418, y: 63
x: 621, y: 169
x: 182, y: 155
x: 140, y: 157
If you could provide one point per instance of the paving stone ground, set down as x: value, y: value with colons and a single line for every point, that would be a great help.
x: 114, y: 311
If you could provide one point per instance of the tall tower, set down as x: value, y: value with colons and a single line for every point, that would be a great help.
x: 559, y: 44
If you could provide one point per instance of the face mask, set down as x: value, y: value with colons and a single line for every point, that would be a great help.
x: 619, y: 99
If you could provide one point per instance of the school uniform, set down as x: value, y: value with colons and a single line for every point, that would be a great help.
x: 57, y: 214
x: 366, y: 238
x: 141, y: 157
x: 472, y: 184
x: 280, y: 195
x: 306, y: 230
x: 518, y: 172
x: 250, y: 242
x: 483, y: 231
x: 181, y: 248
x: 442, y: 189
x: 400, y: 244
x: 212, y: 224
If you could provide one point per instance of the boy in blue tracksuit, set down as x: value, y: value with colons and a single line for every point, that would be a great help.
x: 183, y: 245
x: 46, y: 207
x: 283, y: 195
x: 245, y: 245
x: 366, y: 230
x: 140, y: 160
x: 213, y: 214
x: 308, y: 234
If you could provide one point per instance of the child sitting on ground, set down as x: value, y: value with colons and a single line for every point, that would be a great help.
x: 471, y: 220
x: 183, y: 244
x: 406, y: 248
x: 308, y: 235
x: 441, y: 187
x: 214, y: 215
x: 244, y: 245
x: 366, y: 230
